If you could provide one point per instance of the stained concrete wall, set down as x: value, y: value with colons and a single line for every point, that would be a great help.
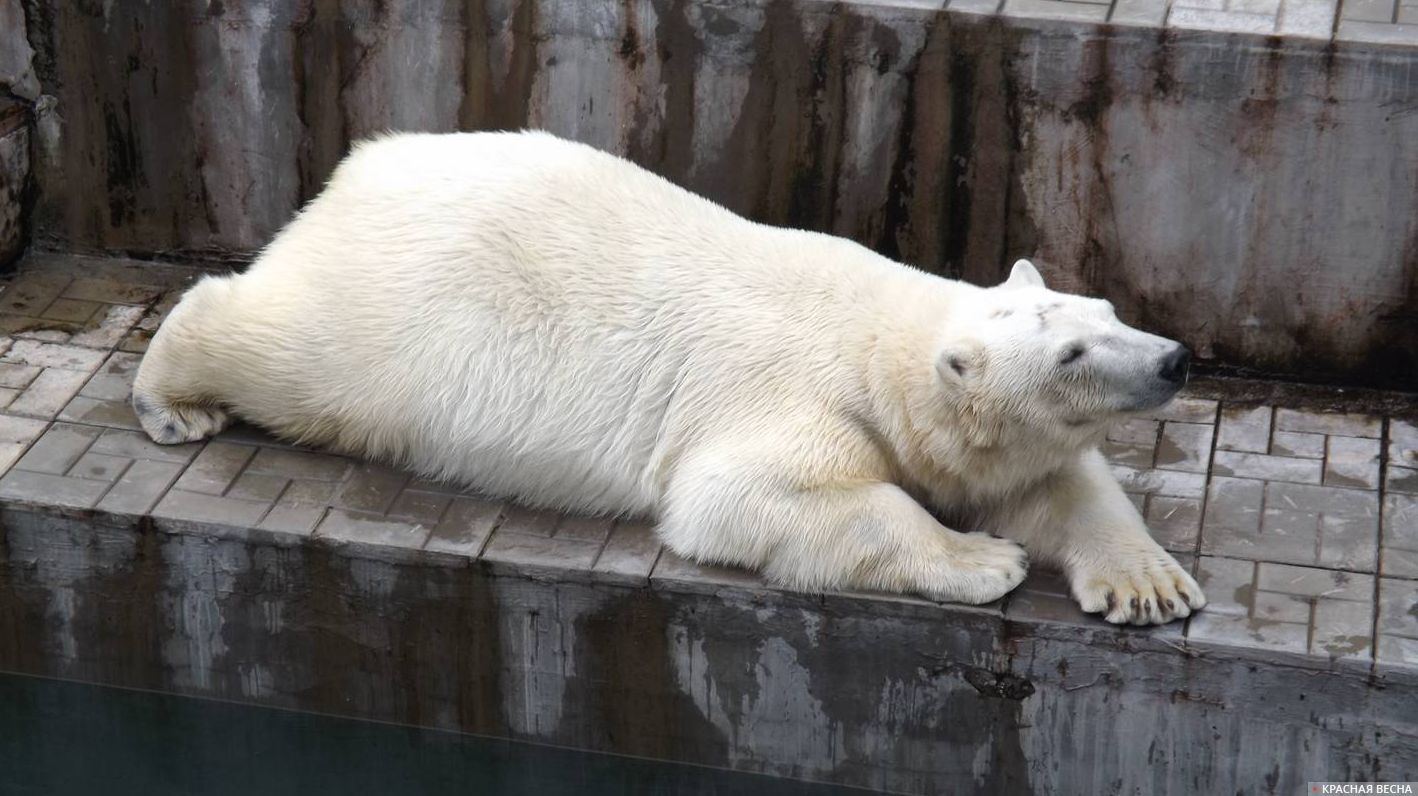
x: 870, y: 692
x: 1257, y: 198
x: 19, y: 89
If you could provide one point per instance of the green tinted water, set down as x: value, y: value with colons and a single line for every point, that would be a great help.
x: 64, y: 738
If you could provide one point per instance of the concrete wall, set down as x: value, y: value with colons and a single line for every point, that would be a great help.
x: 1256, y: 197
x: 863, y: 691
x: 19, y: 89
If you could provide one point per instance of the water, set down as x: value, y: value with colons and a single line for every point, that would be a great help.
x: 59, y: 738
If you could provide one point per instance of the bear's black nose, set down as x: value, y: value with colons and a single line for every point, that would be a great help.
x: 1175, y: 365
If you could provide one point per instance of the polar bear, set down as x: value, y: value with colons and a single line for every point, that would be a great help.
x: 550, y: 323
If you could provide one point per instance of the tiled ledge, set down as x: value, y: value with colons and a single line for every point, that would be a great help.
x: 1302, y: 526
x: 1388, y: 22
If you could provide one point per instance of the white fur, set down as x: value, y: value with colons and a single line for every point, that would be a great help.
x: 547, y: 322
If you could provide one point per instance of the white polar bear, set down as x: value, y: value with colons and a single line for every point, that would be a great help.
x: 547, y: 322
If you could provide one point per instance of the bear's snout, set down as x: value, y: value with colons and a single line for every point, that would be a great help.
x: 1175, y: 366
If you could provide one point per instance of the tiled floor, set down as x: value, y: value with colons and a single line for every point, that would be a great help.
x: 1376, y: 21
x: 1302, y: 526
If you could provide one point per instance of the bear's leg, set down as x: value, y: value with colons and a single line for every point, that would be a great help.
x: 864, y: 535
x: 1081, y: 521
x: 169, y: 398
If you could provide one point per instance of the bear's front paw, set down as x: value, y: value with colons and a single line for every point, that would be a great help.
x: 1149, y: 590
x: 979, y: 568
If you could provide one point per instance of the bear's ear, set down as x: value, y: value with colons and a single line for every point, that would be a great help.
x: 1024, y: 274
x: 960, y: 362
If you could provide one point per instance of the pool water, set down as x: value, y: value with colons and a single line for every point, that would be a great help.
x: 59, y: 738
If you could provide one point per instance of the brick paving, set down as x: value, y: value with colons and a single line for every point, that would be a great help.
x: 1302, y: 526
x: 1371, y: 21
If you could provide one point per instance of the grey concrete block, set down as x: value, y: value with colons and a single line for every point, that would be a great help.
x: 1184, y: 446
x: 679, y: 574
x: 1160, y: 482
x: 54, y: 355
x: 1369, y: 10
x: 62, y: 309
x: 1400, y: 535
x: 199, y: 507
x: 110, y: 290
x: 299, y: 464
x: 370, y: 530
x: 1145, y: 13
x: 137, y: 445
x: 1244, y: 429
x: 1268, y: 468
x: 529, y: 522
x: 48, y: 394
x: 1348, y: 425
x: 1307, y: 18
x: 215, y: 468
x: 53, y: 490
x: 142, y: 484
x: 99, y: 467
x: 1352, y: 462
x: 371, y: 488
x: 1055, y: 9
x: 1403, y: 480
x: 17, y: 377
x: 58, y: 449
x: 1402, y: 443
x: 629, y: 555
x: 1228, y: 21
x: 1185, y: 409
x: 1397, y: 641
x: 423, y: 508
x: 465, y: 527
x: 520, y: 554
x: 1298, y: 445
x: 1175, y: 522
x: 300, y: 508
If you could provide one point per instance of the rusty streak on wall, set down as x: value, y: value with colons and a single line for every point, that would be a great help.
x: 1254, y: 197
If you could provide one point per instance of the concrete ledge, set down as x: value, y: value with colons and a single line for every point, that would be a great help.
x: 243, y: 568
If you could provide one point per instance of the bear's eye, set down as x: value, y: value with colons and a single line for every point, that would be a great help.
x: 1071, y: 354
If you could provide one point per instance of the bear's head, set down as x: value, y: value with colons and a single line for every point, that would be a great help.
x: 1020, y: 354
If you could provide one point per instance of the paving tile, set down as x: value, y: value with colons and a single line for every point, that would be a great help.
x: 1233, y: 510
x: 421, y: 508
x: 1055, y: 9
x: 16, y: 434
x: 1228, y: 21
x: 300, y: 508
x: 1307, y: 18
x: 54, y: 490
x: 1352, y: 462
x: 1175, y: 522
x: 57, y: 450
x: 179, y: 504
x: 1298, y: 445
x: 1137, y: 431
x: 28, y: 294
x: 371, y: 488
x: 111, y: 291
x: 257, y: 487
x: 465, y: 527
x: 1187, y: 410
x: 529, y: 522
x: 522, y: 552
x: 1149, y: 13
x: 1265, y: 7
x: 1160, y: 482
x: 585, y: 529
x: 1184, y: 446
x: 99, y: 467
x: 1244, y: 429
x: 140, y: 487
x: 1369, y: 10
x: 74, y: 310
x: 299, y: 464
x: 1268, y: 468
x: 975, y: 6
x: 94, y: 412
x: 629, y: 554
x: 1402, y: 443
x: 1348, y: 425
x: 349, y: 526
x: 1129, y: 454
x: 48, y: 394
x: 16, y: 376
x: 215, y: 468
x: 1400, y: 535
x: 1044, y: 597
x: 137, y: 445
x: 1402, y: 479
x: 54, y: 355
x: 114, y: 379
x: 1398, y: 622
x: 686, y: 575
